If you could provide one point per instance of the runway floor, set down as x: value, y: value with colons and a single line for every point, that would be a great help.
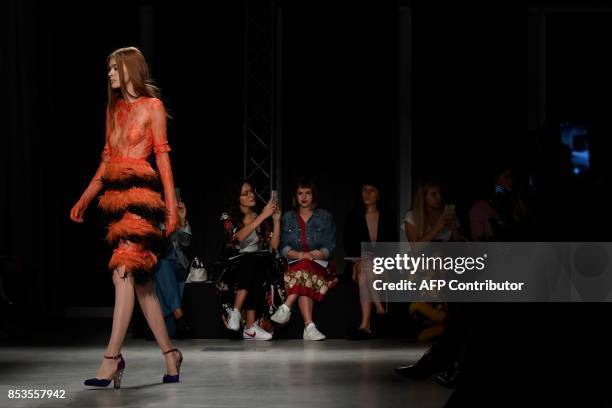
x: 225, y: 373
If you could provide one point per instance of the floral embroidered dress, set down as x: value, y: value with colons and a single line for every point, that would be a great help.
x: 306, y: 277
x: 132, y: 197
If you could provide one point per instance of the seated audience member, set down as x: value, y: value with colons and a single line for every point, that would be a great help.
x: 499, y: 217
x: 248, y: 234
x: 170, y: 275
x: 431, y: 220
x: 368, y: 222
x: 307, y: 240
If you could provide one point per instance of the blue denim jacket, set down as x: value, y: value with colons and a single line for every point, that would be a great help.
x: 320, y: 232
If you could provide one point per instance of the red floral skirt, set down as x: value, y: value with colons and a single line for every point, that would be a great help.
x: 308, y: 278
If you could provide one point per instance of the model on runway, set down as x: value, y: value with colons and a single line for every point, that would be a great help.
x: 132, y: 199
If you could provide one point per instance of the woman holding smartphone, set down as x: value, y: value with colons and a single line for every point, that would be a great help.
x: 248, y: 234
x: 431, y: 220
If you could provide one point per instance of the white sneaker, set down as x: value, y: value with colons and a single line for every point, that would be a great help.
x: 255, y: 333
x: 311, y: 333
x: 233, y: 323
x: 282, y: 314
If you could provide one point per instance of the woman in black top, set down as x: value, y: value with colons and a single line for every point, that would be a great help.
x: 368, y: 222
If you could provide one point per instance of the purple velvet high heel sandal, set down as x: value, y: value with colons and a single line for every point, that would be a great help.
x: 174, y: 378
x: 115, y: 377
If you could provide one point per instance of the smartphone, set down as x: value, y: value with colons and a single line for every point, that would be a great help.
x: 449, y: 208
x: 274, y: 195
x: 177, y: 192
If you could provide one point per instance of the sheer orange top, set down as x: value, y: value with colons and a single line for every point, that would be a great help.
x: 138, y: 128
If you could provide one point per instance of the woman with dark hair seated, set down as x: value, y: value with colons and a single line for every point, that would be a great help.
x: 307, y: 240
x: 368, y: 222
x: 247, y: 235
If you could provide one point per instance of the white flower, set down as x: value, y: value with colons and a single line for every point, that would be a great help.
x: 224, y: 216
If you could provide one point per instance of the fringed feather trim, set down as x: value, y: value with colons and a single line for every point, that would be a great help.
x: 124, y: 173
x: 139, y: 263
x: 136, y: 229
x: 113, y: 201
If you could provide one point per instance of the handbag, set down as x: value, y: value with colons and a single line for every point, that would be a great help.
x: 197, y: 271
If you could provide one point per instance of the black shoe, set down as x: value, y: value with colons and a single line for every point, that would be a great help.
x: 431, y: 363
x: 415, y: 371
x: 359, y: 334
x: 450, y: 378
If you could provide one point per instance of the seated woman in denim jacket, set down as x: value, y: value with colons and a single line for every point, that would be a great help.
x: 308, y: 237
x: 248, y: 233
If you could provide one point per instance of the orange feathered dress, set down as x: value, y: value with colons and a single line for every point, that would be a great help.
x: 132, y: 197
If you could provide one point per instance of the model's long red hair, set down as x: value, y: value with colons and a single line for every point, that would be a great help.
x: 132, y: 60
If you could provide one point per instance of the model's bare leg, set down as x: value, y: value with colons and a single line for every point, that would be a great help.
x: 152, y: 312
x: 124, y: 305
x: 306, y: 304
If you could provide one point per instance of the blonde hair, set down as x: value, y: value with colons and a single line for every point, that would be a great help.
x: 418, y: 209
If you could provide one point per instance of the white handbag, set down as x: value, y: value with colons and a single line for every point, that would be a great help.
x: 197, y: 272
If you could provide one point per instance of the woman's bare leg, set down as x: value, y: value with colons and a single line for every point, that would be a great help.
x: 241, y: 295
x: 152, y: 312
x: 124, y: 305
x: 291, y: 300
x: 306, y: 304
x: 380, y: 309
x: 366, y: 302
x: 250, y: 318
x: 366, y: 313
x: 367, y: 298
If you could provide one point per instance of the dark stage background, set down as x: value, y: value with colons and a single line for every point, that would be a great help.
x: 339, y: 102
x: 340, y: 117
x: 340, y: 121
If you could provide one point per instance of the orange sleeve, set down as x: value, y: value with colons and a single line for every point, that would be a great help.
x: 162, y: 158
x: 158, y: 127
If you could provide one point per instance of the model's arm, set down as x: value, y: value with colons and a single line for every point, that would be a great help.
x: 95, y: 185
x: 162, y: 158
